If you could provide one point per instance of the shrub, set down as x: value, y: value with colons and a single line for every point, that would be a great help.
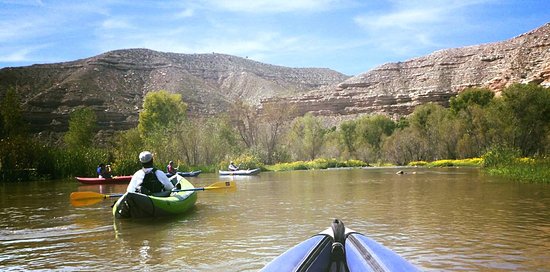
x: 500, y: 156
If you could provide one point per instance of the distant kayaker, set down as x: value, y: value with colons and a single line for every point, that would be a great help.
x: 233, y: 167
x: 170, y: 169
x: 149, y: 180
x: 104, y: 171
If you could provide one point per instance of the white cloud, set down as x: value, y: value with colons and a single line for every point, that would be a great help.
x: 15, y: 56
x: 116, y: 23
x: 19, y: 54
x: 415, y: 25
x: 269, y: 6
x: 186, y: 13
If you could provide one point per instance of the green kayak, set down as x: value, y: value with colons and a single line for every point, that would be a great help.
x: 136, y: 205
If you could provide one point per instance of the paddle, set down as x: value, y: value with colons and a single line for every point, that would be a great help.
x: 217, y: 185
x: 79, y: 199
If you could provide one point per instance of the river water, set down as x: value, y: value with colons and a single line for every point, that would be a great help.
x: 451, y: 219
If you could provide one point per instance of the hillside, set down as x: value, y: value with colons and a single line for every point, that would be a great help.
x: 395, y: 89
x: 115, y: 83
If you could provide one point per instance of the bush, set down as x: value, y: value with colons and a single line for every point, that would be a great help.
x: 525, y: 169
x: 315, y: 164
x: 417, y: 163
x: 499, y: 156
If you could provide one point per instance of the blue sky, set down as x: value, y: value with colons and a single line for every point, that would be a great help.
x: 349, y: 36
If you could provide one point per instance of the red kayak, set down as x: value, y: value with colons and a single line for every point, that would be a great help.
x: 116, y: 179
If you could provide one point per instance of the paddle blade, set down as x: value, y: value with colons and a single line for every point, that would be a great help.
x: 87, y: 195
x: 85, y: 202
x: 221, y: 185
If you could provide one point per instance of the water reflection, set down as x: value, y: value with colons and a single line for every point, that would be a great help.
x: 439, y: 219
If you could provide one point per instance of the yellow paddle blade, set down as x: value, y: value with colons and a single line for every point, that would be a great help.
x: 221, y: 185
x: 87, y: 195
x: 85, y: 202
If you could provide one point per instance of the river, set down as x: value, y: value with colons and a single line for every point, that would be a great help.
x: 450, y: 219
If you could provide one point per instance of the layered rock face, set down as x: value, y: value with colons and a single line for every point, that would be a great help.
x: 395, y: 89
x: 114, y: 84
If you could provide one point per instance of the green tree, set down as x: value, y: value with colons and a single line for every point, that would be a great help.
x: 471, y: 96
x: 525, y: 113
x: 12, y: 122
x: 470, y: 108
x: 161, y: 110
x: 222, y: 141
x: 128, y: 145
x: 348, y: 137
x: 307, y: 136
x: 82, y: 126
x: 405, y: 145
x: 371, y: 130
x: 438, y: 132
x: 479, y: 129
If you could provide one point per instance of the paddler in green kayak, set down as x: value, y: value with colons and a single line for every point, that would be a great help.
x: 149, y: 180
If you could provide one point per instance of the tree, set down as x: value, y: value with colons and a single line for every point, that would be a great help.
x: 371, y: 130
x: 245, y: 119
x: 161, y: 110
x: 405, y: 145
x: 307, y: 136
x: 348, y: 137
x: 471, y: 96
x: 273, y: 120
x: 478, y: 130
x: 82, y: 126
x: 425, y: 121
x: 525, y: 107
x: 128, y: 145
x: 12, y: 122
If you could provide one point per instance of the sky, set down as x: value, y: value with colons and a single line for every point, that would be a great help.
x: 349, y: 36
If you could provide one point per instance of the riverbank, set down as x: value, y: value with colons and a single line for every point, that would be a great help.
x: 524, y: 169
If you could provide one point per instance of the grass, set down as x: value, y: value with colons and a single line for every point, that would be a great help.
x: 473, y: 162
x: 524, y: 169
x: 315, y: 164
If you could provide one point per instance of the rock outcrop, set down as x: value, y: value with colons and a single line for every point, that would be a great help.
x: 395, y: 89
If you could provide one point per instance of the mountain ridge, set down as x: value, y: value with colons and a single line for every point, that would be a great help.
x: 394, y: 89
x: 114, y: 83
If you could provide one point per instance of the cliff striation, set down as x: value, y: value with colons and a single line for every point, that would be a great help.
x: 395, y: 89
x: 115, y: 83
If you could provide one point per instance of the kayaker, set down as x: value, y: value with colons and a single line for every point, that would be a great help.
x: 149, y: 180
x: 104, y: 171
x: 232, y: 166
x: 170, y: 170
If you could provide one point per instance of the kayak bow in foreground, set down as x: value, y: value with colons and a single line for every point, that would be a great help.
x: 339, y: 249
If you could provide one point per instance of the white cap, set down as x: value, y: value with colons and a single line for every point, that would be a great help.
x: 145, y: 157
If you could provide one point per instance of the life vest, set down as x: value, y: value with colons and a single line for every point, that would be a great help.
x: 151, y: 183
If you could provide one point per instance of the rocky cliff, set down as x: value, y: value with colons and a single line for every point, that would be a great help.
x: 396, y: 88
x: 115, y: 83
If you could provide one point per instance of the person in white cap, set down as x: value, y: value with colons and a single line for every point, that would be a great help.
x: 149, y: 180
x: 232, y: 166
